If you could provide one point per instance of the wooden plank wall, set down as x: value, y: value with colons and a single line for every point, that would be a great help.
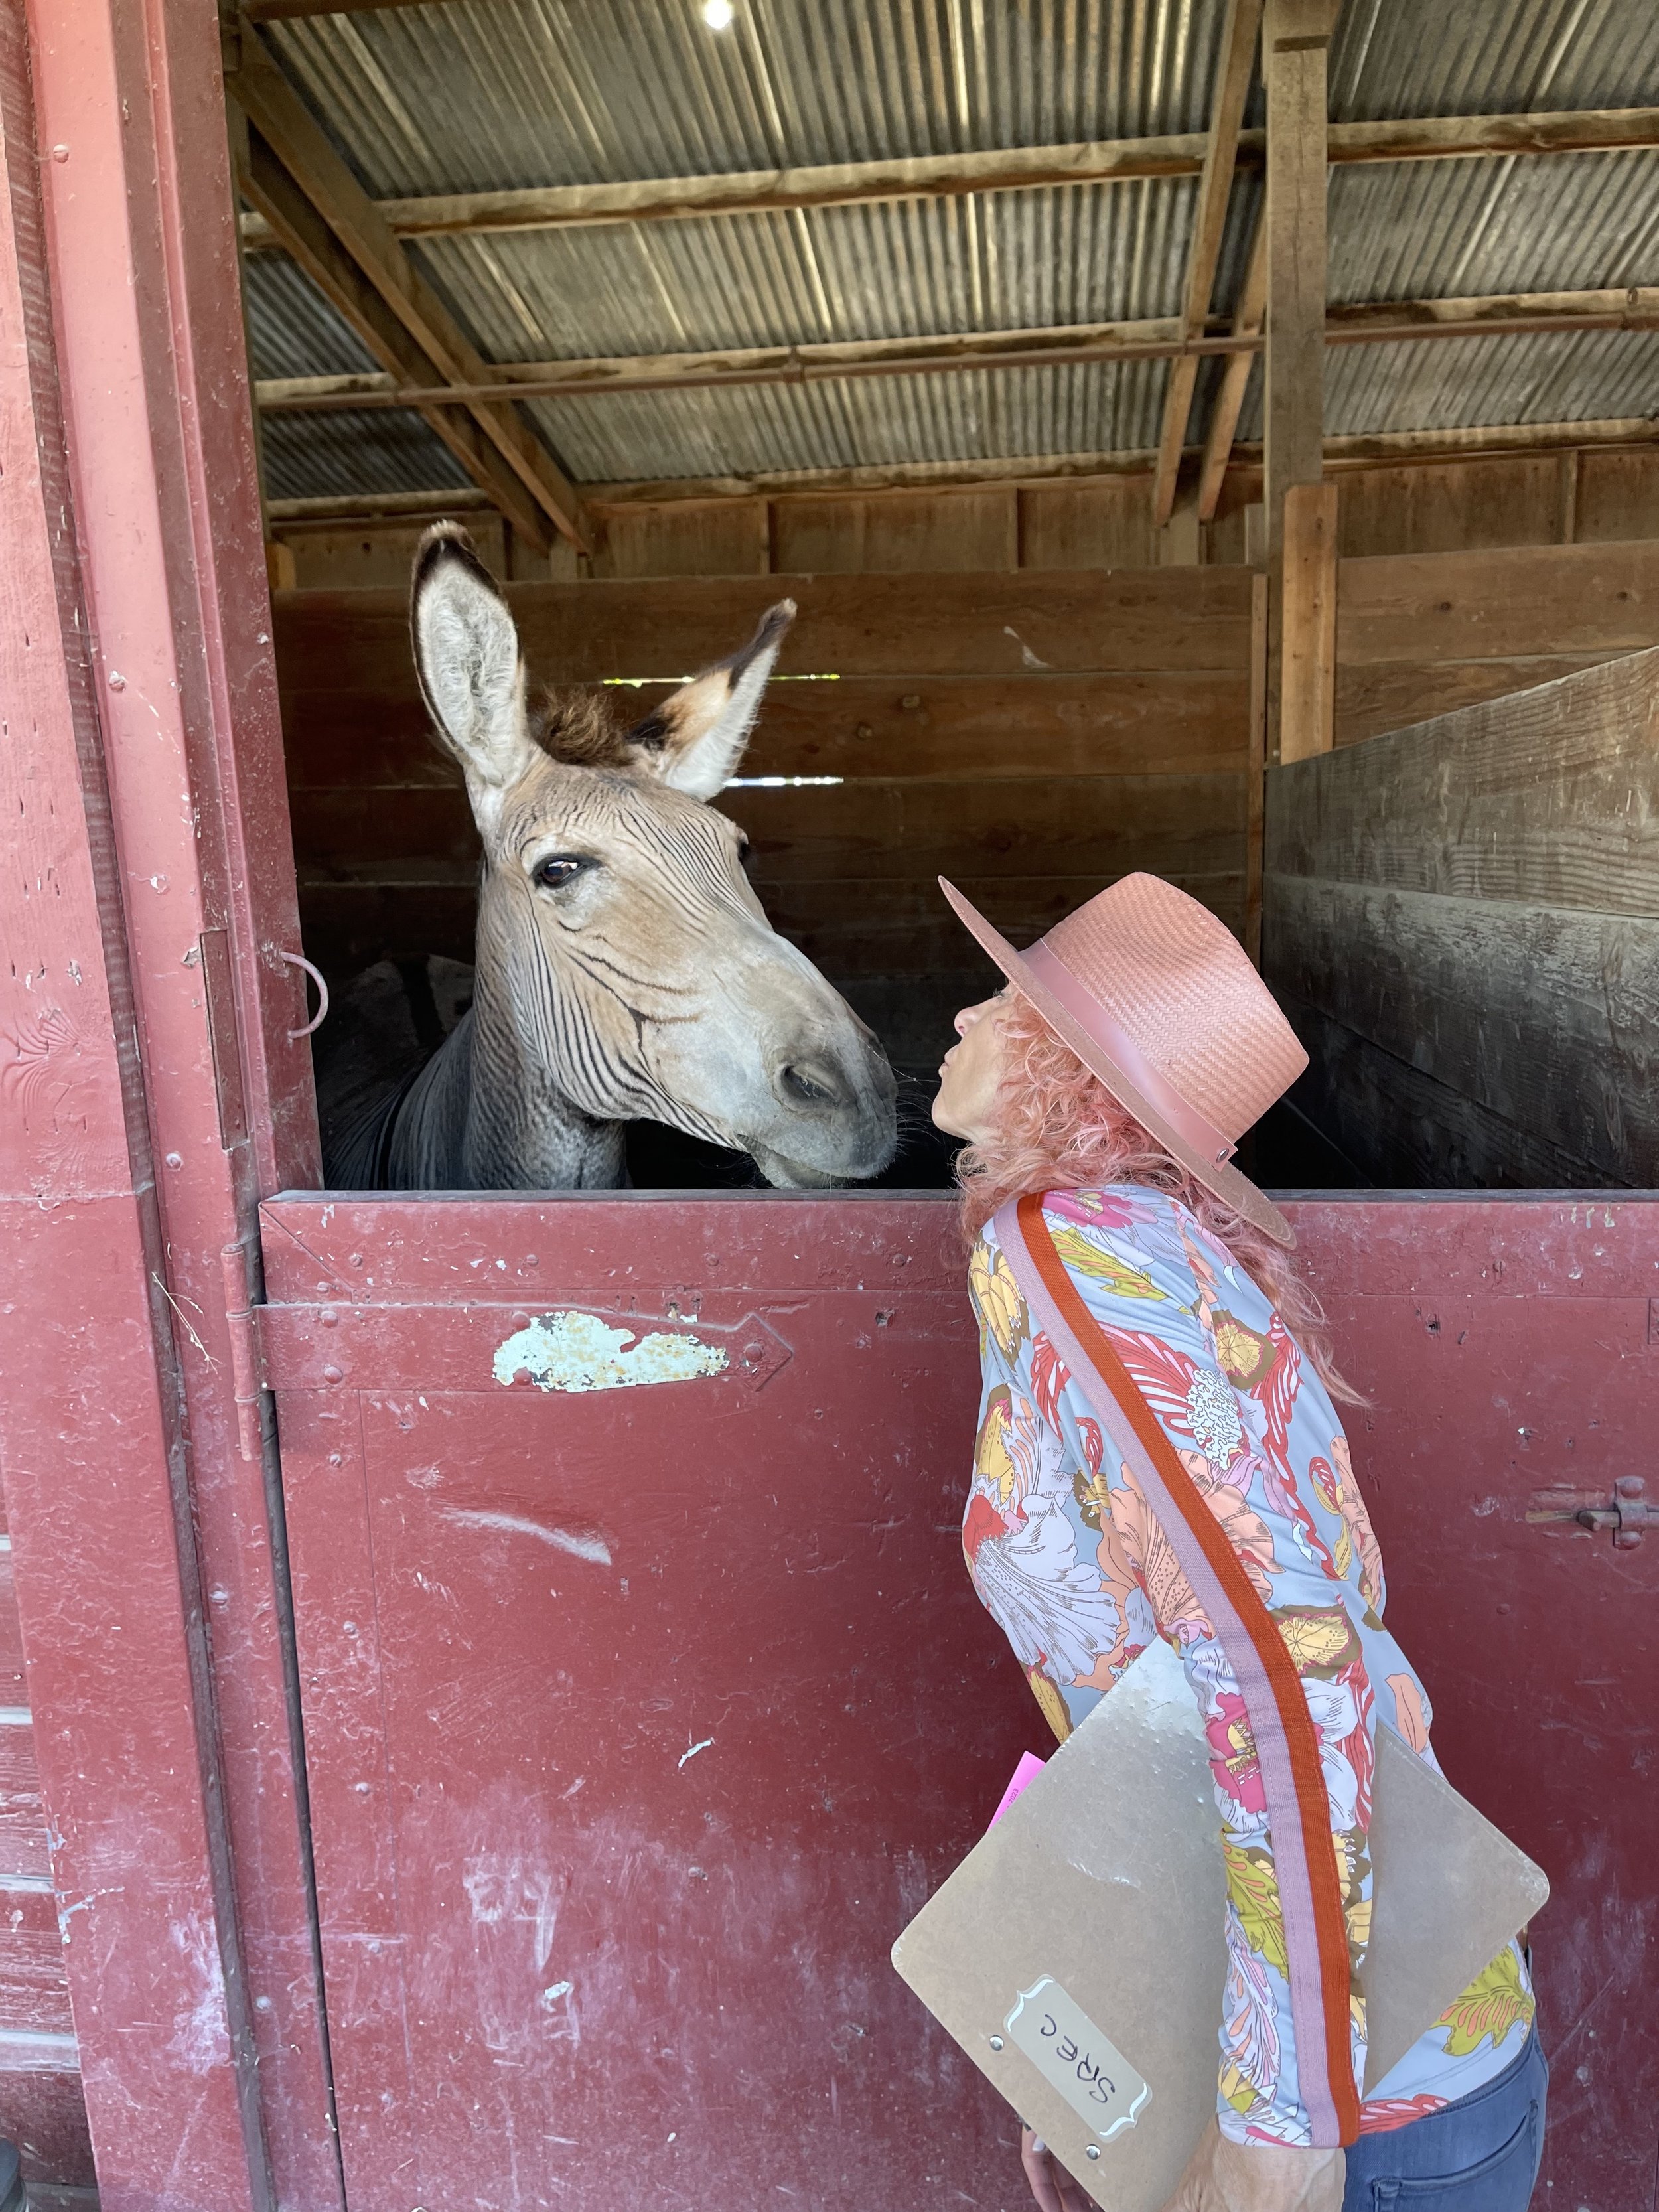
x: 1030, y: 738
x: 1439, y: 506
x: 1462, y: 921
x: 1419, y: 634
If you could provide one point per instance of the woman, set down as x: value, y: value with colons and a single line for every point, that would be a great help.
x: 1135, y: 1045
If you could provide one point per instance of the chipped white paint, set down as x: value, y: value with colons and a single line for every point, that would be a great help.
x: 581, y: 1352
x: 592, y: 1547
x: 708, y: 1744
x: 201, y: 2029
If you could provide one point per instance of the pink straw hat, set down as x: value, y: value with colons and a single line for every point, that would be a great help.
x: 1159, y: 998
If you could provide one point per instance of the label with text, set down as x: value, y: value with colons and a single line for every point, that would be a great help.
x: 1069, y: 2052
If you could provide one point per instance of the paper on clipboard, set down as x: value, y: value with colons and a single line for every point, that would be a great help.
x: 1098, y: 1897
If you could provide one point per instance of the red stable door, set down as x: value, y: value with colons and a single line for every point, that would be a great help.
x: 639, y: 1718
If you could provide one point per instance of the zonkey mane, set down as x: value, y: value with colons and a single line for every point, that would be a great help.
x: 582, y: 727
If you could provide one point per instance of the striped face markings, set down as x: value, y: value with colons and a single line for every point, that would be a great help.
x: 624, y: 920
x: 600, y: 847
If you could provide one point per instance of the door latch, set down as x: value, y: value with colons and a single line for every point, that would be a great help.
x: 1629, y: 1516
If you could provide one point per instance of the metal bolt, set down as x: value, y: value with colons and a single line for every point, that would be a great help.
x: 996, y: 2043
x: 332, y: 1375
x: 175, y: 1159
x: 117, y: 681
x: 1092, y: 2150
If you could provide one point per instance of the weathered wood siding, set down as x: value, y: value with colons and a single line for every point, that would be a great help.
x: 1031, y: 736
x: 1419, y: 634
x: 1462, y: 921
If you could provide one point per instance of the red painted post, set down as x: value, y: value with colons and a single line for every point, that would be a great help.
x: 152, y: 1094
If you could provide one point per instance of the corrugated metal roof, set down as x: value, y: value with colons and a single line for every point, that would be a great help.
x: 969, y: 415
x: 1502, y: 57
x: 475, y: 94
x: 328, y: 456
x: 994, y: 261
x: 1447, y: 230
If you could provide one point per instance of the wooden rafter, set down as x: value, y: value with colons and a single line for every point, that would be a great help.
x: 944, y: 176
x: 264, y: 182
x: 1367, y: 323
x: 1215, y: 190
x: 328, y: 222
x: 1249, y: 317
x: 1374, y: 450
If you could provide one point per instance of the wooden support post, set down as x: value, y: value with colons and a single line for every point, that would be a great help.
x: 1255, y: 797
x: 1294, y: 36
x: 1307, y: 690
x: 1295, y: 39
x: 1181, y: 539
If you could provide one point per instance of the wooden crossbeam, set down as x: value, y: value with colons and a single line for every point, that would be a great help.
x: 1233, y: 77
x: 1381, y: 449
x: 1366, y: 323
x: 944, y: 176
x: 323, y: 204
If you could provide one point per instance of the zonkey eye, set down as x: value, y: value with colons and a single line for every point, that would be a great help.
x: 557, y: 870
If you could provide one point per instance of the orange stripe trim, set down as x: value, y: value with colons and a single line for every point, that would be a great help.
x: 1313, y: 1803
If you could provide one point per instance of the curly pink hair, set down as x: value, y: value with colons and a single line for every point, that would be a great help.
x: 1058, y: 1127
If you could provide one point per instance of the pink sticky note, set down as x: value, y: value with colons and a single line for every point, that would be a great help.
x: 1024, y: 1775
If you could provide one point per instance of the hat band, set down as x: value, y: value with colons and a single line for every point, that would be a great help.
x: 1047, y: 969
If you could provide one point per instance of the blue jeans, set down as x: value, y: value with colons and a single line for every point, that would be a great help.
x: 1479, y: 2155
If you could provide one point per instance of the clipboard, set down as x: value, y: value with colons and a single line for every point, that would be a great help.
x: 1078, y: 1956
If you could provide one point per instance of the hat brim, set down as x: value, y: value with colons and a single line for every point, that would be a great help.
x: 1218, y: 1176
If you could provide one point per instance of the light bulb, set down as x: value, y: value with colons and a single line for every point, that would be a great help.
x: 718, y: 13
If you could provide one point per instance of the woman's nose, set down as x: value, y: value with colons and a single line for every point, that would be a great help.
x: 970, y: 1015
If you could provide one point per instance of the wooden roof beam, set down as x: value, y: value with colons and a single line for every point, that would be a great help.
x: 1234, y: 72
x: 1505, y: 314
x: 1384, y: 449
x: 320, y: 206
x: 267, y: 184
x: 944, y: 176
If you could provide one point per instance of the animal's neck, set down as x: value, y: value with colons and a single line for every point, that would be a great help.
x: 482, y: 1117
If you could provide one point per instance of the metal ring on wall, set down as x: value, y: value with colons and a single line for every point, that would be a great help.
x: 298, y: 960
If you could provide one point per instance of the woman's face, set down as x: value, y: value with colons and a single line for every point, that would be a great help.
x: 970, y: 1072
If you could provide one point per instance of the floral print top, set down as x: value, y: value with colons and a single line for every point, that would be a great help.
x: 1066, y: 1557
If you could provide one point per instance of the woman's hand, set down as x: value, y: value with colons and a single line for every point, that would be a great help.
x: 1222, y: 2176
x: 1053, y: 2189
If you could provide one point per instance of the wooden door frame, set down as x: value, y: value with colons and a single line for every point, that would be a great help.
x: 153, y: 1094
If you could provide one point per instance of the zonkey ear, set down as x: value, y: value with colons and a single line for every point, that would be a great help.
x: 466, y: 656
x: 695, y: 738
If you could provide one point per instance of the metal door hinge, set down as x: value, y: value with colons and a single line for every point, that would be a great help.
x: 247, y: 1354
x: 1629, y: 1514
